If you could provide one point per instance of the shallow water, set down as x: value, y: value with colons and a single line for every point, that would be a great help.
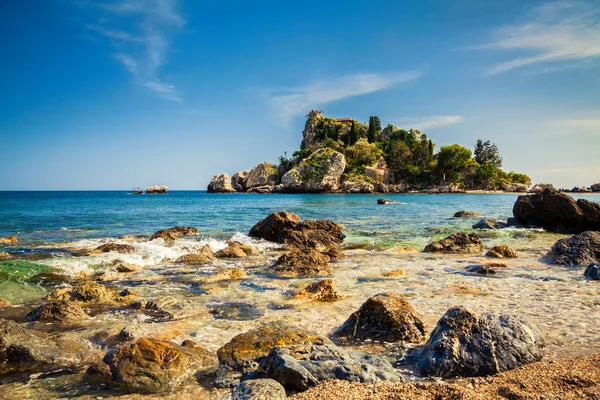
x: 559, y: 300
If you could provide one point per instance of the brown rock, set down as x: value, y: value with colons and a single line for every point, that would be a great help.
x: 467, y: 214
x: 122, y: 266
x: 108, y: 247
x: 307, y: 262
x: 4, y: 303
x: 235, y: 250
x: 4, y: 255
x: 204, y: 256
x: 385, y: 317
x: 8, y: 239
x: 270, y: 227
x: 502, y: 252
x: 174, y: 233
x: 456, y: 243
x: 224, y: 274
x: 60, y: 311
x: 394, y: 273
x: 324, y: 290
x: 93, y: 292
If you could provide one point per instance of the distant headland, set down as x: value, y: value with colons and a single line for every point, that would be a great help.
x: 343, y: 155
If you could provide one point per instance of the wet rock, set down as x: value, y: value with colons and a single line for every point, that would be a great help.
x: 157, y: 189
x: 243, y: 353
x: 467, y: 344
x: 482, y: 270
x: 385, y: 317
x: 174, y: 233
x: 204, y: 256
x: 4, y: 303
x: 236, y: 311
x: 116, y: 247
x: 334, y: 254
x: 92, y: 292
x: 580, y: 249
x: 256, y: 389
x: 121, y: 266
x: 297, y: 263
x: 467, y: 214
x: 23, y: 350
x: 403, y: 249
x: 270, y: 227
x: 457, y: 243
x: 490, y: 224
x: 595, y: 187
x: 386, y: 201
x: 151, y: 365
x: 236, y: 250
x: 8, y: 239
x: 592, y: 272
x: 542, y: 187
x: 4, y: 255
x: 502, y: 252
x: 395, y: 273
x: 127, y: 292
x: 356, y: 187
x: 324, y: 290
x: 220, y: 183
x: 128, y: 237
x: 300, y: 367
x: 59, y: 311
x: 224, y: 274
x: 557, y: 212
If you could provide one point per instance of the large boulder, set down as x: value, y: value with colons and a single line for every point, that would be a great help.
x: 220, y: 183
x: 302, y: 263
x: 57, y: 311
x: 385, y: 317
x: 320, y: 172
x: 151, y: 365
x: 157, y: 189
x: 592, y: 272
x: 270, y: 227
x: 466, y: 214
x: 490, y: 224
x: 557, y: 212
x: 580, y: 249
x: 256, y: 389
x: 300, y: 367
x: 243, y: 353
x: 264, y: 174
x: 22, y: 350
x: 502, y: 252
x: 238, y: 179
x: 174, y: 233
x: 467, y: 344
x: 456, y: 243
x: 595, y: 187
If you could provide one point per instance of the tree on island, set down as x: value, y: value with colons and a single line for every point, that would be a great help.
x: 353, y: 135
x: 487, y: 153
x: 374, y: 131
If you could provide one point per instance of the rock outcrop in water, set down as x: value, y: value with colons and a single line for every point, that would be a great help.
x: 151, y: 365
x: 302, y: 263
x: 203, y: 256
x: 174, y: 233
x: 57, y: 311
x: 502, y: 252
x: 157, y: 189
x: 557, y: 212
x: 236, y: 250
x: 467, y: 214
x: 385, y: 317
x: 220, y: 183
x: 456, y: 243
x: 580, y: 249
x: 592, y: 272
x: 300, y: 367
x: 324, y: 290
x: 262, y: 175
x: 467, y: 344
x: 116, y: 247
x: 490, y: 224
x: 8, y: 239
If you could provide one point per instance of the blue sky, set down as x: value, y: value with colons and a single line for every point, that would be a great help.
x: 118, y: 94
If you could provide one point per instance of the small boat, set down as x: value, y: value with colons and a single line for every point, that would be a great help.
x: 138, y: 191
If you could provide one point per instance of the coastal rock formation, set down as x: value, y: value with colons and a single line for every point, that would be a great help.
x: 320, y: 172
x: 58, y: 311
x: 152, y: 365
x: 8, y: 239
x: 238, y: 181
x: 380, y: 175
x: 385, y: 317
x: 490, y: 224
x: 264, y: 174
x: 557, y: 212
x: 592, y: 272
x: 220, y: 183
x: 270, y: 227
x: 467, y: 214
x: 456, y: 243
x: 467, y: 344
x: 580, y: 249
x: 324, y: 290
x: 224, y: 274
x: 514, y: 187
x: 235, y: 250
x: 502, y: 252
x: 157, y: 189
x: 116, y: 247
x: 174, y: 233
x: 121, y: 266
x: 300, y: 367
x: 299, y: 263
x: 84, y: 292
x: 356, y: 187
x: 595, y: 187
x: 386, y: 201
x: 204, y: 256
x: 387, y: 132
x: 256, y: 389
x: 22, y: 350
x: 243, y: 353
x: 541, y: 187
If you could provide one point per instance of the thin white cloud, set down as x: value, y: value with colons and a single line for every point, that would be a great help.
x: 288, y: 103
x: 142, y: 50
x: 434, y: 121
x: 553, y: 32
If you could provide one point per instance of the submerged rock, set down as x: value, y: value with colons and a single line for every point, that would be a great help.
x: 152, y: 365
x: 557, y: 212
x: 457, y: 243
x: 385, y: 317
x: 297, y: 263
x: 220, y: 183
x: 580, y: 249
x: 174, y: 233
x: 58, y: 311
x: 243, y: 353
x: 502, y: 252
x: 467, y: 214
x: 224, y: 274
x: 235, y: 250
x: 467, y: 344
x: 116, y: 247
x: 22, y: 350
x: 490, y: 224
x: 256, y: 389
x: 204, y: 256
x: 324, y: 290
x: 8, y: 239
x: 482, y: 270
x: 592, y: 272
x: 300, y: 367
x: 386, y: 201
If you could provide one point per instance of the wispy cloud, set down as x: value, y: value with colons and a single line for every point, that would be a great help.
x: 290, y: 102
x: 553, y: 32
x: 584, y: 125
x: 434, y: 121
x: 142, y: 49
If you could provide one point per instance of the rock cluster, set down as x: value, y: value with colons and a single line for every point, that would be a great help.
x: 220, y: 183
x: 203, y: 256
x: 302, y: 263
